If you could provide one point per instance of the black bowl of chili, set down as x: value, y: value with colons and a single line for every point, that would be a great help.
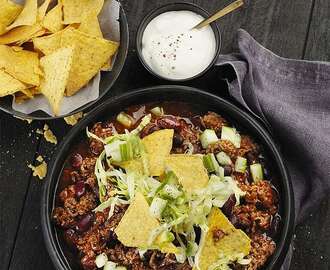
x: 156, y: 95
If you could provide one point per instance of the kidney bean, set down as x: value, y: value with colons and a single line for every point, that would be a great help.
x: 228, y: 170
x: 228, y: 207
x: 85, y: 223
x: 169, y: 122
x: 70, y: 237
x: 76, y: 160
x: 79, y: 189
x: 177, y: 140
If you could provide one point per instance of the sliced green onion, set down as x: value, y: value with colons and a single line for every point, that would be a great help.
x: 240, y: 164
x: 126, y: 151
x: 191, y: 249
x: 257, y: 172
x: 223, y: 158
x: 101, y: 260
x: 208, y: 137
x: 210, y: 162
x: 166, y: 237
x: 230, y: 134
x: 170, y: 191
x: 158, y: 111
x: 124, y: 119
x: 145, y: 121
x: 157, y: 207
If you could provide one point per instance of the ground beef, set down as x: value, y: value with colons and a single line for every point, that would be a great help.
x: 87, y: 167
x: 247, y: 146
x: 223, y: 146
x: 214, y: 121
x: 101, y: 130
x: 262, y: 247
x: 63, y: 218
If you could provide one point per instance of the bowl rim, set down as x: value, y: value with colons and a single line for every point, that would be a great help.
x: 124, y: 47
x: 50, y: 239
x: 171, y: 7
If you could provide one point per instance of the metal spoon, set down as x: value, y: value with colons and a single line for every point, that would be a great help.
x: 231, y: 7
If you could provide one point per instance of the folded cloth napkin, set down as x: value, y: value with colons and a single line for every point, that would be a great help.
x: 293, y: 98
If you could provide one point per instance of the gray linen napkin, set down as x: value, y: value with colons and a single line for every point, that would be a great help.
x: 293, y: 98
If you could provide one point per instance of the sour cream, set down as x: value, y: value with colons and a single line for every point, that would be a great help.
x: 172, y: 50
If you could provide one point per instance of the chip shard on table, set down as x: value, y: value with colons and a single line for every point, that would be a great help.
x: 49, y: 135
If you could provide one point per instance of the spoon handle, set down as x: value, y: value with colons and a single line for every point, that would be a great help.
x: 231, y: 7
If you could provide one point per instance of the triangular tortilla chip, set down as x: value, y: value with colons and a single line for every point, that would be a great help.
x: 9, y: 85
x: 28, y: 16
x: 91, y: 26
x: 91, y: 53
x: 22, y: 34
x: 49, y: 44
x: 56, y: 67
x: 230, y: 241
x: 22, y: 65
x: 53, y: 19
x: 76, y: 10
x: 8, y: 13
x: 189, y: 169
x: 137, y: 224
x: 43, y: 9
x: 158, y: 146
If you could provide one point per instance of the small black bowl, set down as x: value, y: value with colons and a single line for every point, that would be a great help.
x: 106, y: 82
x: 176, y: 7
x: 161, y: 94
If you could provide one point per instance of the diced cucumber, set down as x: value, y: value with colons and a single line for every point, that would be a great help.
x: 101, y: 260
x: 256, y: 172
x: 124, y: 119
x: 110, y: 266
x: 158, y: 111
x: 223, y: 158
x: 230, y: 134
x: 157, y: 207
x: 208, y: 137
x: 240, y: 164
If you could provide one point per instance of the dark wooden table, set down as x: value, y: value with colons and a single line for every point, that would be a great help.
x: 291, y: 28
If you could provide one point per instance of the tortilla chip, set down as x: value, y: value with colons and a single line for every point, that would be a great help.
x: 22, y: 65
x: 22, y: 34
x: 28, y: 16
x: 91, y: 26
x: 189, y: 169
x: 56, y: 67
x: 133, y: 166
x: 8, y: 13
x: 9, y: 85
x: 158, y: 146
x: 26, y: 94
x: 136, y: 225
x: 43, y: 9
x: 53, y: 19
x: 233, y: 241
x: 73, y: 119
x: 76, y: 10
x: 51, y: 43
x: 91, y: 53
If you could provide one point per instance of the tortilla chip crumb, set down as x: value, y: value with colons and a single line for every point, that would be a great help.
x: 39, y: 131
x: 49, y: 135
x: 40, y: 171
x: 40, y: 158
x: 73, y: 119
